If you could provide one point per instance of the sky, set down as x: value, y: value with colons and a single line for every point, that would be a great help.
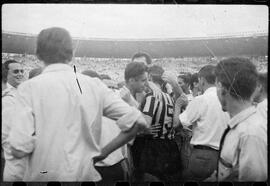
x: 136, y: 21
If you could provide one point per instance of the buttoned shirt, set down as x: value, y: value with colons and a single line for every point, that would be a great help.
x: 262, y: 108
x: 58, y: 123
x: 208, y: 120
x: 14, y: 168
x: 244, y: 153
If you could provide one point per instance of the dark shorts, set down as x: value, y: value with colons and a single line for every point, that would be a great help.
x: 158, y: 157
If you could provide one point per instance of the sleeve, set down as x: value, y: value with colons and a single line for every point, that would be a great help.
x: 115, y: 108
x: 22, y: 132
x: 252, y: 159
x: 193, y: 112
x: 8, y: 106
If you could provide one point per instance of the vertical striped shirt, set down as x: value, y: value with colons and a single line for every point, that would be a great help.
x: 159, y: 106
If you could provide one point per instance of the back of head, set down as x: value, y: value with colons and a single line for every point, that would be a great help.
x: 134, y: 69
x: 140, y: 55
x: 91, y: 73
x: 5, y: 68
x: 156, y: 73
x: 238, y: 76
x: 34, y: 72
x: 54, y: 45
x: 208, y: 73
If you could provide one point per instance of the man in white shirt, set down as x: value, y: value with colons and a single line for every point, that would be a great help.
x: 12, y: 76
x: 208, y: 121
x: 243, y: 147
x: 260, y: 95
x: 57, y: 121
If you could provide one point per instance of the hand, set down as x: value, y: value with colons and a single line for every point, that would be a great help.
x: 99, y: 158
x: 125, y: 95
x: 169, y: 78
x: 212, y: 178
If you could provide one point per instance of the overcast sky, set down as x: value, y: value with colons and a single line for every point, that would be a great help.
x: 136, y: 21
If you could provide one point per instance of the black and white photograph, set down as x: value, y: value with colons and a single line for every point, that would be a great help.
x: 134, y: 93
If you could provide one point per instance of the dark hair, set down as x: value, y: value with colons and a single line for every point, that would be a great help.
x: 34, y: 72
x: 238, y: 76
x: 142, y: 54
x: 263, y: 79
x: 134, y: 69
x: 105, y: 76
x: 5, y: 68
x: 185, y: 77
x: 193, y: 79
x: 208, y: 72
x: 156, y: 73
x: 91, y: 73
x: 54, y: 45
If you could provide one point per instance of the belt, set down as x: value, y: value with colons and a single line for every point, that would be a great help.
x: 203, y: 147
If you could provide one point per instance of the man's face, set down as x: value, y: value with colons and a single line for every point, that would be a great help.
x: 221, y: 96
x: 139, y: 84
x: 180, y: 82
x: 141, y: 60
x: 15, y: 74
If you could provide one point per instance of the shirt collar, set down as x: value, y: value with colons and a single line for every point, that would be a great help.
x: 240, y: 117
x: 210, y: 89
x: 57, y: 67
x: 10, y: 86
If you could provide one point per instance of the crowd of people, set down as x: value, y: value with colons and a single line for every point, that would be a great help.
x: 71, y: 120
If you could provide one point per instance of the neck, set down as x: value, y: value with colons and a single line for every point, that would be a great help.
x: 237, y: 106
x: 131, y: 90
x: 207, y: 86
x: 4, y: 86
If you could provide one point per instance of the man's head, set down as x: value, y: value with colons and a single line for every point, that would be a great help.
x: 206, y: 77
x: 54, y: 45
x: 261, y: 89
x: 183, y: 81
x: 236, y: 81
x: 13, y: 72
x: 136, y: 76
x: 155, y: 74
x: 142, y: 57
x: 194, y: 84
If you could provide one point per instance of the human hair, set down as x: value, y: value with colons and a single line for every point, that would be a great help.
x: 54, y: 45
x: 193, y: 79
x: 5, y: 68
x: 142, y: 54
x: 34, y: 72
x: 134, y: 69
x: 91, y: 73
x: 263, y: 79
x: 238, y: 76
x: 185, y: 77
x: 156, y: 72
x: 208, y: 73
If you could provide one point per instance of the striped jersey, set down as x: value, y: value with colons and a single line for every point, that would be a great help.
x: 159, y: 106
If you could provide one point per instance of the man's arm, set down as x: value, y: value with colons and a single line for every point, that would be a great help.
x: 22, y: 133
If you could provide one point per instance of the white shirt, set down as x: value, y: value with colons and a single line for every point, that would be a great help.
x: 109, y: 131
x: 60, y: 127
x: 14, y: 168
x: 204, y: 112
x: 244, y: 152
x: 262, y: 108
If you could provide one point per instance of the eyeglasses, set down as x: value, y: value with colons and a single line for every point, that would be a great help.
x: 17, y: 71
